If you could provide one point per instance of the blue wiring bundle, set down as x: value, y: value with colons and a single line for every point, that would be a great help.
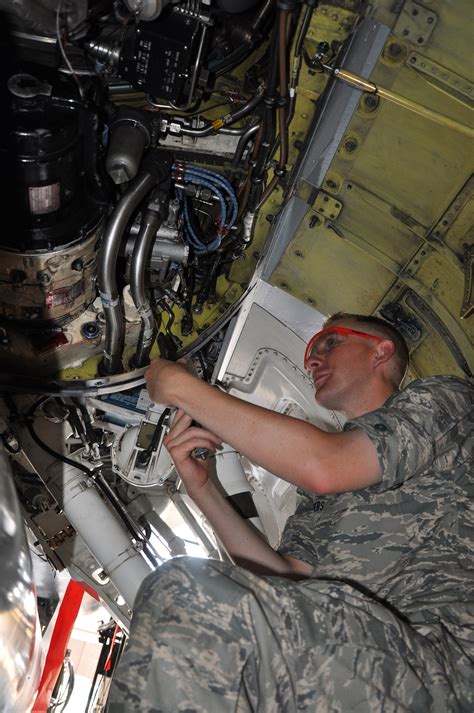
x: 226, y: 197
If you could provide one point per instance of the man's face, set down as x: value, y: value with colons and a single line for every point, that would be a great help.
x: 340, y: 365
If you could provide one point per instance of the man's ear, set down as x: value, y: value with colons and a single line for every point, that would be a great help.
x: 383, y: 352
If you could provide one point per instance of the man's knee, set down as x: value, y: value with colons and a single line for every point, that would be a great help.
x: 182, y: 580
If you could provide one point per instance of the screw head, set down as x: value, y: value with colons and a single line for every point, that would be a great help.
x: 394, y: 49
x: 371, y: 102
x: 350, y: 145
x: 44, y: 278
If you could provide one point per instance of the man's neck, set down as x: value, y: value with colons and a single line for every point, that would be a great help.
x: 369, y: 400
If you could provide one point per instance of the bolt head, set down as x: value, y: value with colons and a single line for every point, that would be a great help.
x: 350, y: 145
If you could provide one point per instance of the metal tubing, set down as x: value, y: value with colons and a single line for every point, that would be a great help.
x: 223, y: 123
x: 197, y: 67
x: 243, y: 141
x: 150, y: 223
x: 114, y: 325
x: 364, y: 85
x: 261, y: 15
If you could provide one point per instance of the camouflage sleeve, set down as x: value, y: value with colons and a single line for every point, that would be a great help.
x: 405, y: 431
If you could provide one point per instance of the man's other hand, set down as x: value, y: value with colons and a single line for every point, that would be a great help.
x: 162, y: 377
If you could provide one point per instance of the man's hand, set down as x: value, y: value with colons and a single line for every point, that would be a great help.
x: 180, y: 442
x: 243, y: 542
x: 161, y: 376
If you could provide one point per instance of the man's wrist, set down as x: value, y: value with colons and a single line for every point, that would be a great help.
x: 189, y: 394
x: 202, y: 494
x: 180, y: 385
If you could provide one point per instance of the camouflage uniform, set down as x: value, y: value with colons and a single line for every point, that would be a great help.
x: 386, y: 621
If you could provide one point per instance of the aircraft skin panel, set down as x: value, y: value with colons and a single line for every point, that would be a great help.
x: 401, y: 183
x: 401, y: 157
x: 391, y: 241
x: 330, y: 289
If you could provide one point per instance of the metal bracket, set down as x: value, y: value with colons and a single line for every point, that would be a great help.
x: 468, y: 296
x: 55, y: 526
x: 439, y: 74
x: 412, y: 267
x: 431, y: 316
x: 415, y: 23
x: 447, y: 219
x: 405, y: 322
x: 421, y: 307
x: 327, y: 206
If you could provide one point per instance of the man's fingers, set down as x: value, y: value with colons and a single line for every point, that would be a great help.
x: 183, y: 451
x: 189, y: 437
x: 180, y: 423
x: 181, y: 418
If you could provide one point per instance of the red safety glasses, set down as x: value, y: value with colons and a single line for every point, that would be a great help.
x: 325, y: 340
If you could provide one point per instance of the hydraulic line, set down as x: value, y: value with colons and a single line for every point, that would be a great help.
x: 151, y: 221
x: 283, y: 26
x: 354, y: 80
x: 223, y: 122
x: 208, y: 282
x: 268, y: 127
x: 243, y: 141
x: 197, y: 67
x: 310, y: 6
x: 114, y: 325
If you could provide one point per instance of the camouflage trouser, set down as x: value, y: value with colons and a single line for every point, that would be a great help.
x: 213, y: 638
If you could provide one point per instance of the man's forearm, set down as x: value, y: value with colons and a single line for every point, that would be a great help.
x: 265, y: 437
x: 242, y: 541
x: 290, y: 448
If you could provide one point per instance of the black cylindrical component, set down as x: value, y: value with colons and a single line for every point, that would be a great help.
x: 129, y: 137
x: 57, y: 192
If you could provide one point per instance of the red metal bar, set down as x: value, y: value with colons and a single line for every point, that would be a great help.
x: 63, y: 627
